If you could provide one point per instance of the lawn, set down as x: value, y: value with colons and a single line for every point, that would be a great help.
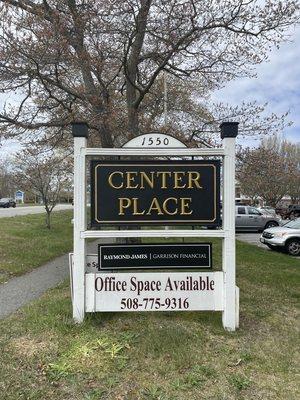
x: 166, y: 356
x: 26, y: 243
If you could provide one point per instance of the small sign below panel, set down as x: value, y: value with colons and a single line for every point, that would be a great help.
x: 154, y: 256
x: 174, y: 291
x: 91, y: 264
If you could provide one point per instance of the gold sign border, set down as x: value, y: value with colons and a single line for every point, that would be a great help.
x: 157, y: 222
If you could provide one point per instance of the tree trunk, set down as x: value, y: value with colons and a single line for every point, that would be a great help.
x: 133, y: 121
x: 132, y: 111
x: 48, y: 215
x: 105, y: 135
x: 102, y: 113
x: 131, y: 67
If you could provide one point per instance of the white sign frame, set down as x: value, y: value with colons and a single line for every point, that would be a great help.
x: 230, y: 293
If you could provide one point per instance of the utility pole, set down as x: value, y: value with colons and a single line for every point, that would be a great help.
x: 165, y: 99
x: 165, y: 109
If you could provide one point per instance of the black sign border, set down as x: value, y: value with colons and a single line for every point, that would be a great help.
x: 165, y: 268
x: 215, y: 163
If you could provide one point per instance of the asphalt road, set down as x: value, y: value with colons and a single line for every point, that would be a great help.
x: 24, y: 210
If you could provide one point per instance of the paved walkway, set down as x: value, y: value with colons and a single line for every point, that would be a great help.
x: 23, y: 289
x: 24, y: 210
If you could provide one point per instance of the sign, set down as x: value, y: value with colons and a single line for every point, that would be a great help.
x: 154, y: 140
x: 91, y: 264
x: 160, y: 192
x: 154, y: 256
x: 19, y: 195
x: 177, y: 291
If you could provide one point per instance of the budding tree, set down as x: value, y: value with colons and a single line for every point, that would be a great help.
x: 267, y: 172
x: 7, y: 185
x: 290, y: 152
x: 70, y: 60
x: 43, y: 172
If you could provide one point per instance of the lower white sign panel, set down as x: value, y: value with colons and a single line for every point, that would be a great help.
x: 180, y: 291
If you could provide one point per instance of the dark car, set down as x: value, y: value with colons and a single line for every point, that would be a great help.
x: 6, y: 202
x: 294, y: 211
x: 290, y: 212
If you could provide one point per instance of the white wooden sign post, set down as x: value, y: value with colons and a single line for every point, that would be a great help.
x: 155, y: 291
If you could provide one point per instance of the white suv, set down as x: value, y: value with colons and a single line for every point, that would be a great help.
x: 285, y: 237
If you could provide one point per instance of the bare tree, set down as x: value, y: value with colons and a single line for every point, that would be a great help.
x: 44, y: 172
x: 263, y: 172
x: 214, y: 41
x: 7, y: 185
x: 290, y: 152
x: 70, y: 60
x: 196, y: 120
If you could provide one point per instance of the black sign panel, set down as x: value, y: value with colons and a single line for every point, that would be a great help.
x: 160, y: 192
x: 153, y: 256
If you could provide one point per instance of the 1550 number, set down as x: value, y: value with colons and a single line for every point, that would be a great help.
x: 149, y: 141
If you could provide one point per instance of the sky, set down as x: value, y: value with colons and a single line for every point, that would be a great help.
x: 277, y: 83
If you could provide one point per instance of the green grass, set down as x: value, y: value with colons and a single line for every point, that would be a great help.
x: 166, y: 356
x: 26, y: 243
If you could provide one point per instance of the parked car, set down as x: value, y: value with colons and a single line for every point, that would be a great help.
x: 7, y: 202
x: 250, y: 218
x: 285, y: 237
x: 267, y: 209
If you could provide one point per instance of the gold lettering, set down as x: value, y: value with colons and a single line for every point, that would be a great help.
x: 185, y: 204
x: 124, y: 202
x: 110, y: 180
x: 145, y: 177
x: 194, y: 179
x: 130, y: 178
x: 164, y: 175
x: 165, y: 206
x: 155, y: 206
x: 178, y: 180
x: 135, y: 207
